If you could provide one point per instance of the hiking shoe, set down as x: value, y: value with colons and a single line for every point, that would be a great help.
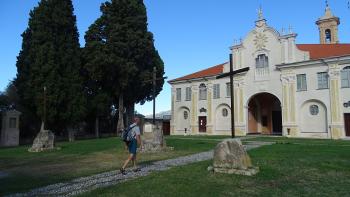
x: 122, y: 171
x: 137, y: 170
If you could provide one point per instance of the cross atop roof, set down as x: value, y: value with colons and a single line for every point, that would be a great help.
x: 260, y: 13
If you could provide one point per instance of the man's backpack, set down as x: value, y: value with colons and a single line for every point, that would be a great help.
x: 127, y: 134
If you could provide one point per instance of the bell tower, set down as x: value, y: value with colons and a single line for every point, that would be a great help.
x: 328, y: 27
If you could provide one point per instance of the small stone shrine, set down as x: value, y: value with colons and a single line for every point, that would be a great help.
x: 230, y: 157
x: 10, y: 128
x: 153, y: 138
x: 45, y: 140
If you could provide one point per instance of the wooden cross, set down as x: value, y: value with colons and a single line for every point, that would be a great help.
x: 154, y: 83
x: 231, y: 74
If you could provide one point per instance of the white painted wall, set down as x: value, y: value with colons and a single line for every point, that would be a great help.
x: 313, y: 123
x: 222, y: 124
x: 182, y: 124
x: 345, y: 93
x: 280, y: 49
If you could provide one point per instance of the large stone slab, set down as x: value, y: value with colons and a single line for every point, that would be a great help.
x: 45, y: 140
x: 230, y: 157
x: 153, y: 139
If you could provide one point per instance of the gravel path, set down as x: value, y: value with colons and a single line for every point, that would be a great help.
x: 81, y: 185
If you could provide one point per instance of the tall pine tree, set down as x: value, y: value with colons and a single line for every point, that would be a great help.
x: 120, y: 54
x: 50, y: 57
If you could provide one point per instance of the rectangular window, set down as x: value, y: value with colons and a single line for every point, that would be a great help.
x: 262, y: 61
x: 322, y: 80
x: 178, y: 94
x: 202, y: 92
x: 345, y: 79
x: 188, y: 93
x: 301, y: 82
x: 216, y: 91
x: 228, y: 89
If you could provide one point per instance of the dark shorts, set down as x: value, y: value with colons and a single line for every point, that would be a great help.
x: 132, y: 146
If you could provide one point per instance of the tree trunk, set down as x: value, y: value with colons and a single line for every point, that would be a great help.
x: 130, y: 112
x: 97, y: 127
x: 120, y: 125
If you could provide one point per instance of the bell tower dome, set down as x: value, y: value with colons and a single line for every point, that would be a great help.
x: 328, y: 27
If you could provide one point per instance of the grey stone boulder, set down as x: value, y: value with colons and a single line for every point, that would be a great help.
x: 45, y: 140
x: 230, y: 157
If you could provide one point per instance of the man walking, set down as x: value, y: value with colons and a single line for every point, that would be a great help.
x: 132, y: 145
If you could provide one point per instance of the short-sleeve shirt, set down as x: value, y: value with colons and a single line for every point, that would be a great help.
x: 135, y: 131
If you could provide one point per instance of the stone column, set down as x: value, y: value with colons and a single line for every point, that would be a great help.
x: 240, y: 122
x: 337, y: 125
x: 290, y: 127
x: 210, y: 110
x: 194, y: 109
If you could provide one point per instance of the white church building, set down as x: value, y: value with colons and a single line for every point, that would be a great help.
x: 294, y: 90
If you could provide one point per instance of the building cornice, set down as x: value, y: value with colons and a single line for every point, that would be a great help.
x: 337, y: 59
x: 193, y: 80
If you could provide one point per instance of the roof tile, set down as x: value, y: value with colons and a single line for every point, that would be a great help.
x: 212, y: 71
x: 317, y: 51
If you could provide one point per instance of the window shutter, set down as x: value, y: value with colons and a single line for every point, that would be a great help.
x: 178, y: 94
x: 322, y: 80
x: 216, y: 93
x: 188, y: 93
x: 228, y: 89
x: 345, y: 79
x: 304, y: 83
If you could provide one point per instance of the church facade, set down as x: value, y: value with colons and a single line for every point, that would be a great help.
x: 294, y: 90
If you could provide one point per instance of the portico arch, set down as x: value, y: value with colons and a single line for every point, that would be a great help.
x: 264, y: 114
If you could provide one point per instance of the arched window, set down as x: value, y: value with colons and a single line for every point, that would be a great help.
x: 262, y: 61
x: 345, y: 77
x: 202, y: 92
x: 328, y: 36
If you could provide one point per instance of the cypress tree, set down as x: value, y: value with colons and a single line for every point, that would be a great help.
x: 4, y: 103
x: 120, y: 54
x: 50, y: 57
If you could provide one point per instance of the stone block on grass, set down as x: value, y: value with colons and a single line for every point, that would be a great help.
x: 230, y: 157
x: 45, y: 140
x: 153, y: 139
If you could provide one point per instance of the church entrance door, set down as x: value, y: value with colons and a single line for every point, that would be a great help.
x: 347, y: 124
x: 202, y: 120
x: 264, y: 115
x: 277, y: 122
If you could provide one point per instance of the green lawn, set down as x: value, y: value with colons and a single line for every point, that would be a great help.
x: 80, y: 158
x: 285, y: 140
x: 292, y: 167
